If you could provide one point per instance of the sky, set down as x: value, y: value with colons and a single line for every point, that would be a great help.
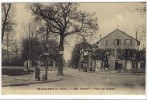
x: 110, y: 17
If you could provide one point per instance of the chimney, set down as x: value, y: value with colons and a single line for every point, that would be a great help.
x: 138, y: 42
x: 136, y: 35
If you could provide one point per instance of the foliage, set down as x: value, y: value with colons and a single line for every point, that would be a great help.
x: 141, y: 10
x: 35, y: 49
x: 64, y: 19
x: 8, y: 42
x: 76, y: 53
x: 123, y: 54
x: 8, y: 27
x: 131, y: 54
x: 101, y: 54
x: 53, y: 49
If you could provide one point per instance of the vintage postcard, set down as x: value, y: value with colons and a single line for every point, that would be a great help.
x: 73, y: 48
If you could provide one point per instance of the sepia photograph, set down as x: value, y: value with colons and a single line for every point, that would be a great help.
x: 73, y: 48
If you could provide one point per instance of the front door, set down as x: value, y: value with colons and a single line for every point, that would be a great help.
x: 116, y: 64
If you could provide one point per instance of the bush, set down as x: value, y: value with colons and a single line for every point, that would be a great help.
x: 13, y: 63
x: 15, y: 72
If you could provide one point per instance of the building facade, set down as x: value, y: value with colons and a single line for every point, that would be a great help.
x: 113, y: 41
x: 118, y: 40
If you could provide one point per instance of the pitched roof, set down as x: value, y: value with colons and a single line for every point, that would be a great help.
x: 114, y: 31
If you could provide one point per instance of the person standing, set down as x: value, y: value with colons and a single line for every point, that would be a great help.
x: 37, y: 71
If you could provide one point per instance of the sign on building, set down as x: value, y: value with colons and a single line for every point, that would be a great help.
x: 60, y: 52
x: 46, y: 54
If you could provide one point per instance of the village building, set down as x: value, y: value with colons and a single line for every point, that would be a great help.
x: 118, y: 40
x: 114, y: 41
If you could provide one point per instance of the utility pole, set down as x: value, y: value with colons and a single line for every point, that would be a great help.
x: 46, y: 54
x: 137, y: 35
x: 29, y: 51
x: 46, y: 60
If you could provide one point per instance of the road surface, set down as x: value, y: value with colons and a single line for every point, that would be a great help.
x: 75, y: 82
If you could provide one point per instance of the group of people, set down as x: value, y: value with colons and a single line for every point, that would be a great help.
x: 83, y: 66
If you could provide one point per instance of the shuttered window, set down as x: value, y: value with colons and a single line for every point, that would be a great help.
x: 128, y: 41
x: 117, y: 42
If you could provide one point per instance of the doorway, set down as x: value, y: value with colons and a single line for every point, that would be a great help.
x: 116, y: 64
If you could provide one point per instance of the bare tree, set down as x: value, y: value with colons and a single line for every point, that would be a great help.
x: 7, y: 18
x: 65, y: 19
x: 7, y: 42
x: 141, y: 10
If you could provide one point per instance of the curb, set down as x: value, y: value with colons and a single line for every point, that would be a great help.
x: 121, y: 73
x: 26, y: 84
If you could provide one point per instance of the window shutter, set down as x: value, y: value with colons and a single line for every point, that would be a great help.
x: 124, y: 42
x: 130, y: 41
x: 119, y: 41
x: 138, y: 43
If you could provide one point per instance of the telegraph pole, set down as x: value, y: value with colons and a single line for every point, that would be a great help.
x: 46, y: 60
x: 46, y: 54
x: 29, y: 51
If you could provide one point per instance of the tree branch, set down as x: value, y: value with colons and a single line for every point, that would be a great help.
x: 4, y: 23
x: 75, y: 31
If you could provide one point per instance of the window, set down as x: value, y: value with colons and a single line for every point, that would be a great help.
x: 117, y: 42
x: 128, y: 42
x: 106, y: 42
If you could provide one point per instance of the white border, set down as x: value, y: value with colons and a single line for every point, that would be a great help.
x: 139, y: 97
x: 73, y: 1
x: 133, y: 97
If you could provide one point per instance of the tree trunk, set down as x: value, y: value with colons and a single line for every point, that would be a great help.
x: 136, y: 65
x: 16, y: 56
x: 144, y: 65
x: 4, y: 23
x: 61, y: 64
x: 79, y: 61
x: 102, y: 64
x: 132, y: 64
x: 7, y: 55
x: 125, y: 64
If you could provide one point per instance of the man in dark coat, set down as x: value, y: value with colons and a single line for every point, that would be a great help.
x: 37, y: 71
